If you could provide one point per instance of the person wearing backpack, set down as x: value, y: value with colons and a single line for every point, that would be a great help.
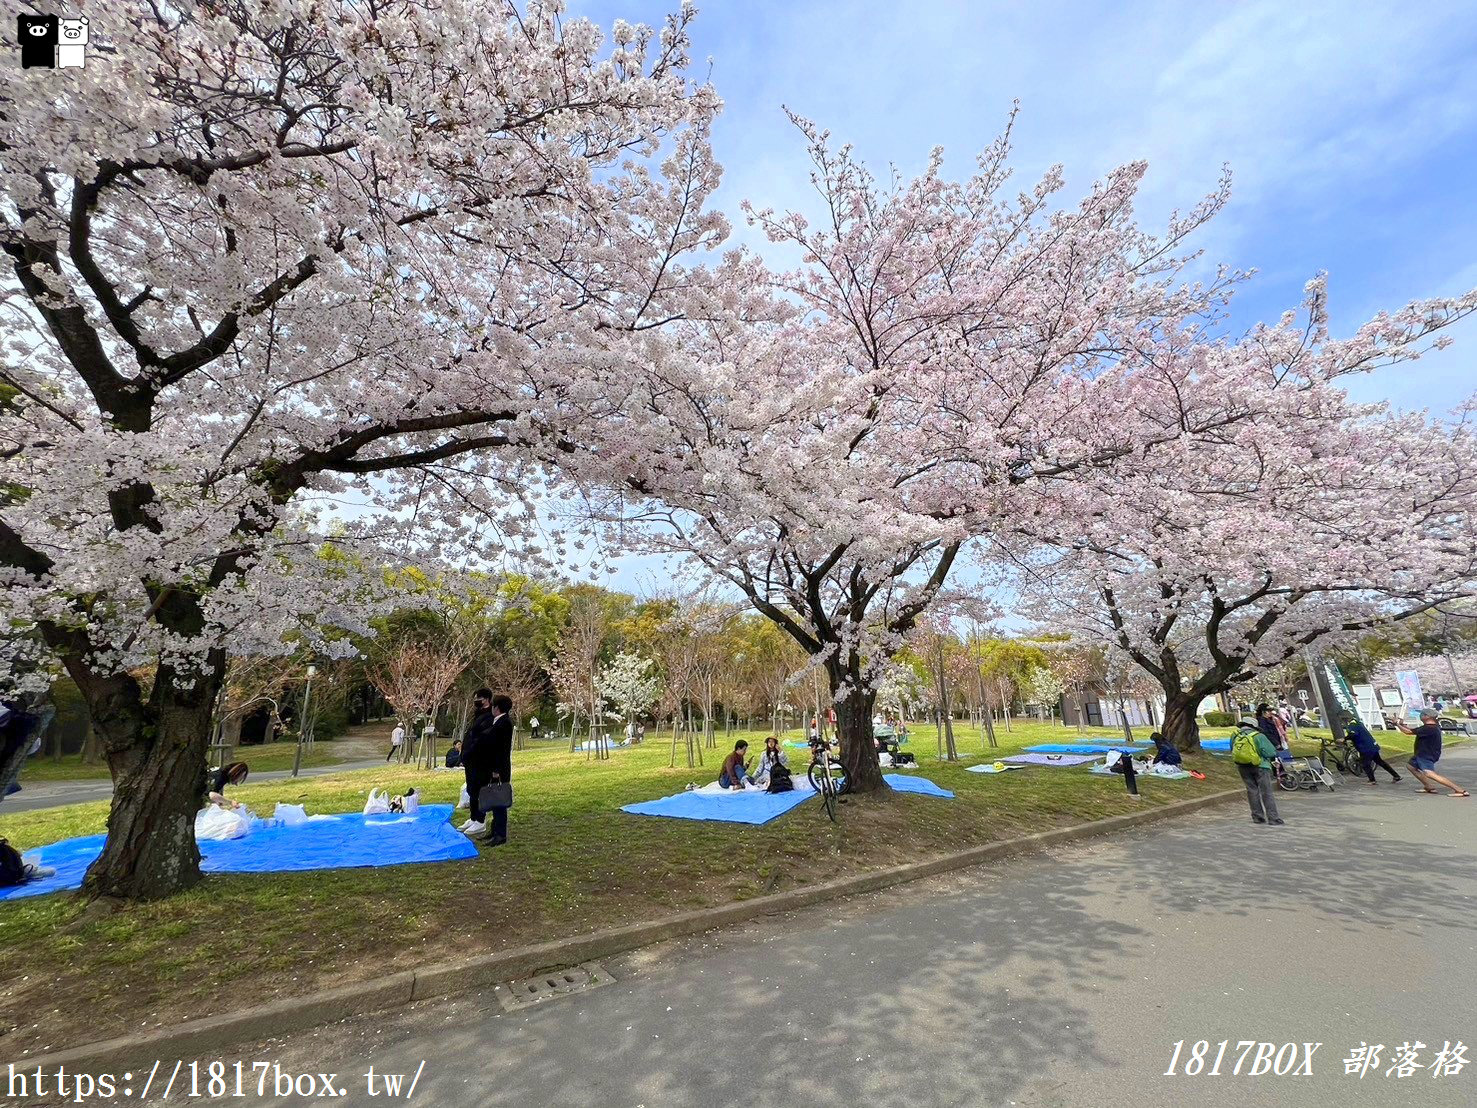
x: 1252, y: 752
x: 773, y: 773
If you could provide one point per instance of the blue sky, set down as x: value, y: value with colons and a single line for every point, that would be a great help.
x: 1350, y: 128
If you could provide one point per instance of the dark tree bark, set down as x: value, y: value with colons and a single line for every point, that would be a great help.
x: 156, y: 753
x: 1180, y: 725
x: 1123, y: 719
x: 854, y: 707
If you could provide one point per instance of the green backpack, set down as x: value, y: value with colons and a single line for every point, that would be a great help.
x: 1243, y: 748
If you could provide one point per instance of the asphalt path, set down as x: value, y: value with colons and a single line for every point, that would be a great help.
x: 1056, y: 979
x: 54, y: 794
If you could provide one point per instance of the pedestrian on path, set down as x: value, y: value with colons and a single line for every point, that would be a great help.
x: 397, y: 740
x: 1267, y: 724
x: 1369, y: 750
x: 1253, y: 753
x: 1428, y: 753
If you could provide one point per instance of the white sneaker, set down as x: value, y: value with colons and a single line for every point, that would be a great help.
x: 474, y: 828
x: 465, y: 824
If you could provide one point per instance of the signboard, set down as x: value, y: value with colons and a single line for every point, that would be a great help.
x: 1410, y: 688
x: 1369, y: 707
x: 1392, y: 698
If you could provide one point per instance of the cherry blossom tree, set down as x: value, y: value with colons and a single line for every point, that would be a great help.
x: 1454, y: 673
x: 826, y: 441
x: 1308, y: 518
x: 630, y: 685
x: 1045, y: 691
x: 270, y: 254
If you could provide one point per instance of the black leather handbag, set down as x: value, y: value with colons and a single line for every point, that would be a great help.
x: 499, y: 794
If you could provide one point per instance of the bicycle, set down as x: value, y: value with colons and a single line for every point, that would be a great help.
x: 822, y: 776
x: 1344, y: 756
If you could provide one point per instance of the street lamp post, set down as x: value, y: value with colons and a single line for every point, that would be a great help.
x: 304, y: 727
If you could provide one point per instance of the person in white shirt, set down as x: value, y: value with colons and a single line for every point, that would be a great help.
x: 397, y: 739
x: 772, y: 756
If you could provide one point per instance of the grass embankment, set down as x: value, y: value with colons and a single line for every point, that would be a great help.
x: 575, y: 864
x: 268, y: 756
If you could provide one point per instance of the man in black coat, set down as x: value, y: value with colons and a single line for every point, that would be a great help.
x: 477, y: 749
x: 500, y: 744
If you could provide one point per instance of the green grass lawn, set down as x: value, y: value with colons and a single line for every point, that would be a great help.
x: 575, y: 864
x: 268, y: 756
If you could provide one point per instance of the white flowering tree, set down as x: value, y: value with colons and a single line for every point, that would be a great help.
x: 630, y: 685
x: 1451, y: 673
x: 267, y: 254
x: 1310, y: 520
x: 1045, y: 690
x: 827, y: 441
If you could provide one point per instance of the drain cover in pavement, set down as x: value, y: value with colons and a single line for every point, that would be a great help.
x: 552, y: 985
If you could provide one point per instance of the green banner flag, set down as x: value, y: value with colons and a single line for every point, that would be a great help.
x: 1347, y: 701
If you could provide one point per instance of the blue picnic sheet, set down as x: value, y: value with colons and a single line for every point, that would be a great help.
x: 748, y: 806
x: 346, y: 841
x: 1084, y: 748
x: 914, y: 785
x: 1216, y: 744
x: 753, y: 806
x: 1051, y: 759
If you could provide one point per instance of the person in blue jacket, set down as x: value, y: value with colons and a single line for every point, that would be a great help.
x: 1164, y: 751
x: 1369, y: 750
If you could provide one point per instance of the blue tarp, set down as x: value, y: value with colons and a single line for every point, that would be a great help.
x: 727, y: 807
x: 1216, y: 744
x: 914, y: 785
x: 754, y: 807
x: 341, y: 842
x: 1083, y: 748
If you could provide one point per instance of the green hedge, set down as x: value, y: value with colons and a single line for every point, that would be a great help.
x: 1219, y: 719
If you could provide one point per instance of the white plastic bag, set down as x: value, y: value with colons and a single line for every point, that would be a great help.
x: 413, y: 803
x: 290, y: 815
x: 216, y: 823
x: 377, y: 803
x: 465, y: 801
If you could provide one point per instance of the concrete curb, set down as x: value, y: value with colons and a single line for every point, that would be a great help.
x: 210, y: 1037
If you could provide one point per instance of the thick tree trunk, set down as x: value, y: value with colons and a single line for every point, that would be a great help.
x: 1180, y: 725
x: 854, y: 706
x: 156, y: 754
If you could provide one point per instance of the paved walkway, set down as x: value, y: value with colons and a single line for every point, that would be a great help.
x: 1061, y: 980
x: 53, y: 794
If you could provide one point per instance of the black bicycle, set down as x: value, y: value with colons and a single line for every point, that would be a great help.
x: 825, y: 775
x: 1342, y: 756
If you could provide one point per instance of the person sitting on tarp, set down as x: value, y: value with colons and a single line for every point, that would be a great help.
x: 454, y: 755
x: 231, y: 774
x: 735, y: 767
x: 1165, y: 753
x: 772, y: 756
